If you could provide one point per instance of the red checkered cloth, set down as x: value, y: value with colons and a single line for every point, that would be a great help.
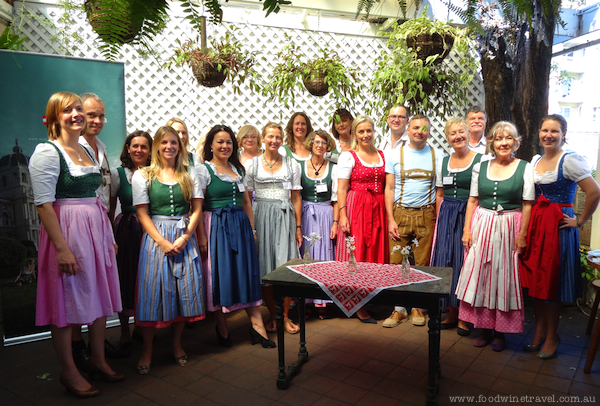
x: 351, y: 292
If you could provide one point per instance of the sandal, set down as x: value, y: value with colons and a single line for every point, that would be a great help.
x: 271, y: 326
x: 181, y: 361
x: 322, y: 313
x: 287, y: 323
x: 143, y: 369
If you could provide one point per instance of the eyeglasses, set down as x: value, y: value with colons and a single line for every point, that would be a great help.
x: 394, y: 118
x: 325, y: 143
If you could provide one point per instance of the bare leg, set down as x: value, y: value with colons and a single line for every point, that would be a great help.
x: 267, y: 294
x: 76, y: 334
x: 452, y: 315
x: 125, y: 333
x: 362, y: 313
x: 177, y: 330
x: 148, y: 336
x: 221, y: 323
x: 96, y: 334
x: 541, y: 325
x: 286, y: 310
x: 61, y: 340
x: 552, y: 315
x: 256, y: 319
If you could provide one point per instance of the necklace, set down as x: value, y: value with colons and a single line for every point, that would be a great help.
x: 78, y: 156
x: 313, y: 165
x: 267, y: 162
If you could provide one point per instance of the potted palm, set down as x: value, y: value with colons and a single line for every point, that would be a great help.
x: 325, y: 74
x: 414, y: 71
x: 225, y: 59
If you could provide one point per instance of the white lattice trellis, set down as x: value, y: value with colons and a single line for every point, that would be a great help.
x: 153, y: 94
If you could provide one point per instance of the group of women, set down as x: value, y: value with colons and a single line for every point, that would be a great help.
x: 197, y: 233
x: 498, y: 241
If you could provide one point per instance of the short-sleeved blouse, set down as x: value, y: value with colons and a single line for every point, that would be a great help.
x: 44, y: 169
x: 204, y: 176
x: 334, y: 179
x: 528, y: 186
x: 139, y: 187
x: 263, y: 177
x: 346, y: 164
x: 115, y: 180
x: 439, y: 182
x: 575, y: 168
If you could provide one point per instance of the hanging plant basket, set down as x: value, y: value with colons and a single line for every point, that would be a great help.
x: 208, y: 75
x: 314, y: 82
x: 426, y: 45
x: 427, y: 89
x: 116, y: 26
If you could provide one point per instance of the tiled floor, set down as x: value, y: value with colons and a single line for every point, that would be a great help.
x: 350, y: 364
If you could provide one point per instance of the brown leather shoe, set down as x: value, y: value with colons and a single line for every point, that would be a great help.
x: 89, y: 393
x: 395, y: 319
x: 417, y: 316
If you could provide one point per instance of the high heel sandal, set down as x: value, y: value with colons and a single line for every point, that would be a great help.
x: 181, y: 361
x: 533, y: 347
x: 255, y: 337
x: 92, y: 370
x: 90, y: 393
x: 224, y: 342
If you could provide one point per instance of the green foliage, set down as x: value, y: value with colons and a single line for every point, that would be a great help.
x: 367, y: 6
x: 227, y: 54
x: 12, y: 252
x: 588, y: 273
x: 421, y: 86
x: 11, y: 41
x: 294, y: 66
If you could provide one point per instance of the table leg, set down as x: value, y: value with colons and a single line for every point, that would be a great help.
x: 302, y: 353
x: 281, y: 377
x: 434, y: 354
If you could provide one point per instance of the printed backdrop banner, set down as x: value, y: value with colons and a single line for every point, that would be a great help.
x: 27, y: 80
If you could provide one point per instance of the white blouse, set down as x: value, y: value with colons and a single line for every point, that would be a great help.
x: 139, y: 187
x: 204, y: 175
x: 44, y: 169
x: 439, y: 182
x: 528, y: 186
x: 276, y: 185
x: 346, y: 164
x: 575, y: 168
x: 334, y: 178
x: 115, y: 180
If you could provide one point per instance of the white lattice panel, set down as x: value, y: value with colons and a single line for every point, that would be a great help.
x: 154, y: 94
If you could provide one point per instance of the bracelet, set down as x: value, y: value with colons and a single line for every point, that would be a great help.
x: 335, y: 221
x: 254, y: 232
x: 298, y: 226
x: 579, y: 225
x: 343, y: 207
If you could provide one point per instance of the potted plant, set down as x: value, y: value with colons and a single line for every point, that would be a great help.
x: 226, y: 59
x: 589, y: 274
x: 414, y: 72
x: 324, y: 74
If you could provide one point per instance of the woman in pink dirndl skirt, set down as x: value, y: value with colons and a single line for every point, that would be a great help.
x: 78, y: 282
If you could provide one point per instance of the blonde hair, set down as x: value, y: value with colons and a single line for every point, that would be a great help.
x: 271, y: 124
x: 180, y: 121
x: 358, y: 121
x: 499, y: 128
x: 455, y: 121
x: 56, y: 104
x: 323, y: 134
x: 244, y: 131
x: 156, y: 165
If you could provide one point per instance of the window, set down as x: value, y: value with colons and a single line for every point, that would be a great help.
x: 595, y: 111
x: 565, y: 112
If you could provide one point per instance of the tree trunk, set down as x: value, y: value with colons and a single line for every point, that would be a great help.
x: 517, y: 90
x: 498, y: 82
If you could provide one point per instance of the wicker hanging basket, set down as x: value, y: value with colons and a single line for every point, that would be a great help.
x: 208, y: 75
x: 426, y: 45
x: 95, y: 10
x: 427, y: 88
x: 314, y: 82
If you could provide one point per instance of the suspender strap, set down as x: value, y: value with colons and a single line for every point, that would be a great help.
x: 402, y: 177
x: 433, y: 174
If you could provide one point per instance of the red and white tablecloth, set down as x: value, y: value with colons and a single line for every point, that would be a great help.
x: 351, y: 292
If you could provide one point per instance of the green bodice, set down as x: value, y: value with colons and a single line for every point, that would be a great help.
x: 309, y: 186
x: 461, y: 181
x: 220, y: 193
x: 507, y: 193
x: 167, y: 200
x: 75, y: 187
x: 125, y: 193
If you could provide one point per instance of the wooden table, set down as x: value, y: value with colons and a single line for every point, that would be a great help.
x: 287, y: 283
